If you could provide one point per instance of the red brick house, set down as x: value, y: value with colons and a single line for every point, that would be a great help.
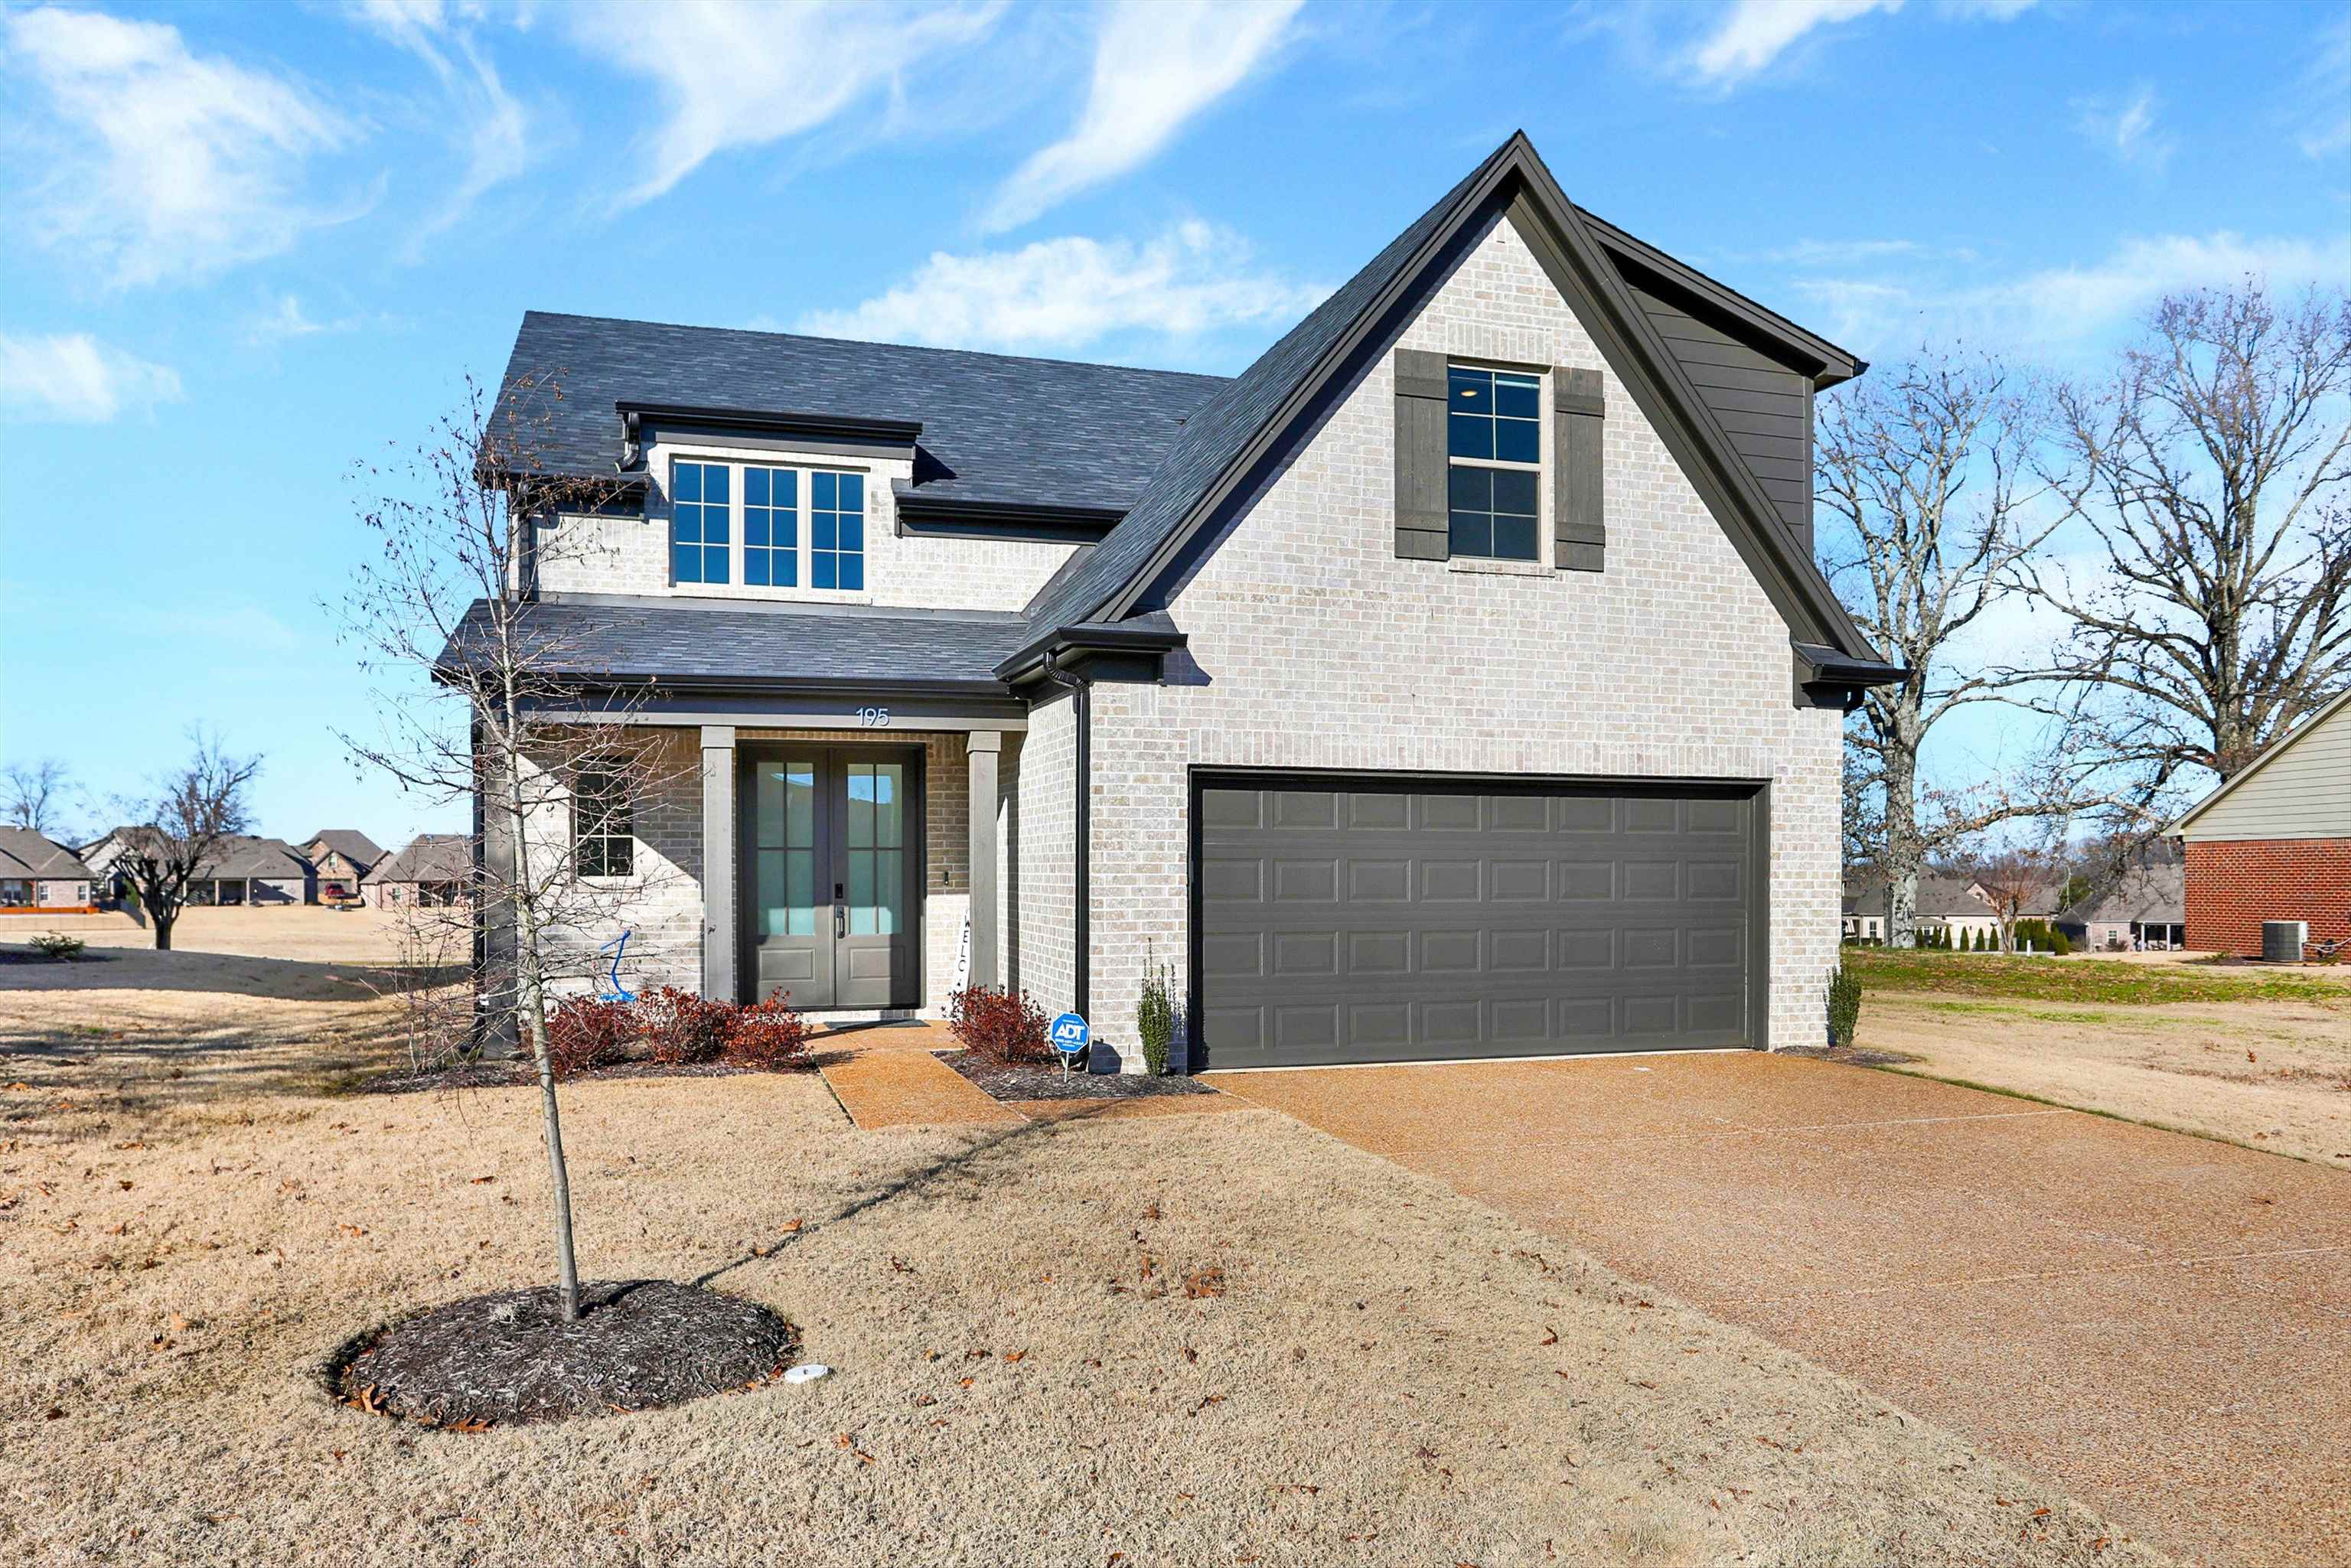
x: 2274, y: 842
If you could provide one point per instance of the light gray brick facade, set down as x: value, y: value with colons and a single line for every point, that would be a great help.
x: 1323, y: 650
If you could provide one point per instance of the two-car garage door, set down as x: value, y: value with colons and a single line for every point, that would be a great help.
x: 1379, y: 919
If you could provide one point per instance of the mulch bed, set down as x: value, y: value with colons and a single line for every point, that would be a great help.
x: 1049, y: 1082
x: 1852, y: 1055
x: 507, y: 1358
x: 508, y: 1073
x: 26, y: 956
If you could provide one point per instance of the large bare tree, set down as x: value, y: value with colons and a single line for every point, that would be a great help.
x: 34, y: 795
x: 178, y: 831
x: 482, y: 707
x: 1929, y: 465
x: 2211, y: 467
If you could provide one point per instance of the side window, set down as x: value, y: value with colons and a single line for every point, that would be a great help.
x: 836, y: 530
x: 602, y: 826
x: 771, y: 527
x: 700, y: 523
x: 1493, y: 430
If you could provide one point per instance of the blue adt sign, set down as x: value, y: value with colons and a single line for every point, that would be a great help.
x: 1068, y: 1034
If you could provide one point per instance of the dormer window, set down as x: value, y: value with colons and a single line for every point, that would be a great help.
x: 771, y: 527
x: 1493, y: 425
x: 700, y: 521
x: 836, y: 530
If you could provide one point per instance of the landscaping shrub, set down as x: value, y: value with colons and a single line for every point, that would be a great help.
x: 1845, y: 1006
x: 582, y: 1032
x: 684, y: 1029
x: 768, y: 1034
x: 999, y: 1027
x: 57, y: 947
x: 1154, y: 1017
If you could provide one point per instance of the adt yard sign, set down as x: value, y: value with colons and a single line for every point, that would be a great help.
x: 1068, y: 1034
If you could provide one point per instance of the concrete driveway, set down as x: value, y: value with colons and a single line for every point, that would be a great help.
x: 2159, y: 1323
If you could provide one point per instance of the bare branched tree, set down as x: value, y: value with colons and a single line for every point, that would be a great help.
x: 2214, y: 469
x: 1929, y: 467
x: 485, y: 704
x: 178, y: 831
x: 34, y: 795
x: 2015, y: 872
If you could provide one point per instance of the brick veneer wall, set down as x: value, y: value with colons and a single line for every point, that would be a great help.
x: 2234, y: 885
x: 1322, y: 650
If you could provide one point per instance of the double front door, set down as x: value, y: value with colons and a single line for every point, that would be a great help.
x: 831, y: 841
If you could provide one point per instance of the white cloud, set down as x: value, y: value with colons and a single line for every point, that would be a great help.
x: 2126, y: 128
x: 493, y: 127
x: 1063, y: 294
x: 72, y: 376
x: 2058, y: 307
x: 167, y: 164
x: 745, y: 76
x: 1156, y: 65
x: 2323, y: 94
x: 284, y: 319
x: 1755, y: 33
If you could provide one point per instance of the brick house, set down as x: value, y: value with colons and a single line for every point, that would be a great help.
x: 1456, y: 681
x: 431, y: 870
x: 2274, y: 842
x: 38, y: 874
x: 243, y: 871
x: 340, y: 858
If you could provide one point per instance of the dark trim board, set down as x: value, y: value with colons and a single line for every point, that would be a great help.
x: 1757, y: 793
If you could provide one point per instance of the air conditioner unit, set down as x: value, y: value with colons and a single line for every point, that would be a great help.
x: 2282, y: 940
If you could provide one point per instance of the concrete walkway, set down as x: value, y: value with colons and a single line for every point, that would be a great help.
x: 2160, y: 1324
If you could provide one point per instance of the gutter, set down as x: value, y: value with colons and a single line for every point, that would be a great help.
x: 1082, y: 879
x: 1832, y: 679
x: 1038, y: 658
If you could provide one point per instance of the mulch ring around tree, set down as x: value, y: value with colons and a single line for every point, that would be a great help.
x: 1001, y: 1083
x: 510, y: 1357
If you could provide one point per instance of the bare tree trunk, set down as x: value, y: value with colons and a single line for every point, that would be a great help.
x: 164, y: 931
x: 531, y: 1002
x: 1902, y: 848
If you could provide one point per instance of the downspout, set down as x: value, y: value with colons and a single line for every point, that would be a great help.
x: 1080, y: 689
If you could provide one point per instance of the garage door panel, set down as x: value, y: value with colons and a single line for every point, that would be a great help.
x: 1382, y: 924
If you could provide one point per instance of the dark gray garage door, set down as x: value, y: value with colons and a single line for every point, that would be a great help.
x: 1361, y: 923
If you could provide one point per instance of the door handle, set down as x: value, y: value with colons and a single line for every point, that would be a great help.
x: 840, y: 912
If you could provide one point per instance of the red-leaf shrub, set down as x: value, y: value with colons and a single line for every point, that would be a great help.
x: 684, y: 1029
x: 582, y: 1032
x: 999, y: 1026
x: 768, y: 1034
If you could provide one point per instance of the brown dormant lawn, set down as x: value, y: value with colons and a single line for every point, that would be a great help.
x: 1192, y: 1340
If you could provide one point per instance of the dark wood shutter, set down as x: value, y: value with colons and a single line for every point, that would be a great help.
x: 1580, y: 533
x: 1422, y: 529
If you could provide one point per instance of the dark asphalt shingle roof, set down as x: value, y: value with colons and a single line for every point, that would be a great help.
x: 26, y: 853
x: 351, y: 843
x: 1226, y: 424
x: 688, y: 642
x: 428, y: 857
x: 2151, y: 893
x: 995, y: 427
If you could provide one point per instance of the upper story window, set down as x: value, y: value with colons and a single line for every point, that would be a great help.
x: 837, y: 530
x: 1493, y: 424
x: 771, y: 527
x: 700, y: 522
x: 799, y: 526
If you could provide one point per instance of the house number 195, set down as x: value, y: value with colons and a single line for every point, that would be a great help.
x: 873, y: 717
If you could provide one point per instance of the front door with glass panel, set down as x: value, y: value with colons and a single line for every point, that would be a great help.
x: 828, y: 877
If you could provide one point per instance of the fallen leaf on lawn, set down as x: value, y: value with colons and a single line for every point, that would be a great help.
x: 1208, y: 1282
x: 478, y: 1181
x: 352, y: 1229
x: 1550, y: 1334
x: 1014, y: 1354
x: 966, y: 1381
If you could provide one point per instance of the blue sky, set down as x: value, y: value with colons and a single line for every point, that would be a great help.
x: 250, y: 245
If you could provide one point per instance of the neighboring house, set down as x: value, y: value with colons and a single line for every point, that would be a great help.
x: 241, y: 871
x: 339, y: 858
x: 2274, y: 842
x: 431, y: 870
x: 2146, y: 908
x: 1454, y: 681
x: 1945, y: 904
x: 38, y: 874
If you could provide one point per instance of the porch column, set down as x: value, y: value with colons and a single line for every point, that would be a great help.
x: 985, y: 748
x: 718, y: 869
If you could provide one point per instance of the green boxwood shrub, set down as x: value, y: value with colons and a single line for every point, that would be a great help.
x: 1845, y: 1006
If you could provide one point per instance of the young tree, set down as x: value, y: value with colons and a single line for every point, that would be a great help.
x: 2211, y: 469
x: 488, y: 705
x: 179, y: 829
x: 2015, y: 872
x: 1929, y: 465
x: 33, y: 795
